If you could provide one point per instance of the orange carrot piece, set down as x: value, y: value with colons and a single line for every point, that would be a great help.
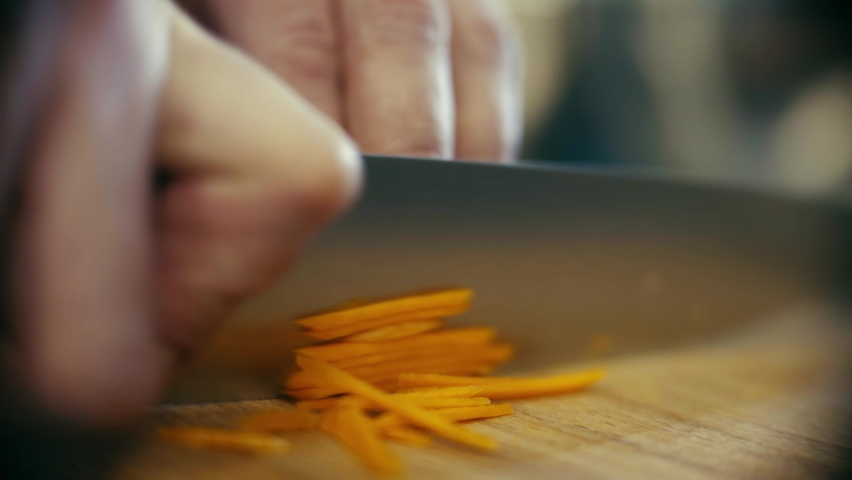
x: 391, y: 332
x: 398, y: 355
x: 424, y: 402
x: 457, y: 299
x: 407, y: 435
x: 442, y: 392
x: 477, y: 356
x: 462, y: 414
x: 459, y: 414
x: 435, y: 403
x: 376, y: 323
x: 424, y: 418
x: 281, y: 420
x: 443, y: 338
x: 361, y: 436
x: 470, y: 361
x: 447, y: 366
x: 390, y: 380
x: 391, y: 384
x: 252, y: 443
x: 497, y: 388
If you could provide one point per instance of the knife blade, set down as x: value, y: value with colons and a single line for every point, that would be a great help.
x: 556, y: 257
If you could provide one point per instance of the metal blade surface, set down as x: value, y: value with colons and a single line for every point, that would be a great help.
x: 557, y: 257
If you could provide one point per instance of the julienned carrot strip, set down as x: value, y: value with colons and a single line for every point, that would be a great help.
x: 475, y: 356
x: 442, y: 403
x: 391, y: 332
x: 388, y: 384
x: 445, y: 366
x: 398, y: 355
x: 459, y: 414
x: 441, y: 392
x: 458, y: 298
x: 444, y: 338
x: 417, y: 415
x: 407, y: 435
x: 453, y: 362
x: 424, y: 402
x: 390, y: 380
x: 280, y: 420
x: 497, y: 388
x: 361, y: 436
x: 462, y: 414
x: 253, y: 443
x: 372, y: 324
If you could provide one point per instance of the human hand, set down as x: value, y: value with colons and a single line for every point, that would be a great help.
x: 434, y: 78
x: 116, y: 284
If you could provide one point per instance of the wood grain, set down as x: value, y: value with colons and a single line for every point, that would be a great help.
x: 767, y: 402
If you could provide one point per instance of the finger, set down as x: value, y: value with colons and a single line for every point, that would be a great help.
x: 296, y: 39
x: 486, y: 72
x: 398, y: 83
x: 257, y: 172
x: 86, y: 343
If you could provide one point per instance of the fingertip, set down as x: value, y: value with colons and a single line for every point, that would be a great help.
x: 330, y: 178
x: 348, y: 178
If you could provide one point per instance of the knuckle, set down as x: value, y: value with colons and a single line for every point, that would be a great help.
x: 306, y: 62
x: 424, y: 145
x: 300, y: 40
x: 487, y: 40
x: 408, y: 23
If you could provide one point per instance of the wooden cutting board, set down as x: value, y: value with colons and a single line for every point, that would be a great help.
x: 768, y: 402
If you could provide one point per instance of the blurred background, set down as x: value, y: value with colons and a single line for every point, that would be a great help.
x: 755, y: 90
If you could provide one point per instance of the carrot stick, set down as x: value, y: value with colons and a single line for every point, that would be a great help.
x: 397, y: 355
x: 497, y: 388
x: 424, y: 402
x: 376, y: 323
x: 361, y: 436
x: 390, y: 380
x: 424, y: 418
x: 455, y: 336
x: 391, y: 332
x: 470, y: 360
x: 455, y: 414
x: 441, y: 392
x: 489, y: 355
x: 252, y: 443
x: 454, y: 299
x: 442, y: 403
x: 390, y: 373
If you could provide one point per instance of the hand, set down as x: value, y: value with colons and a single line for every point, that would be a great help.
x: 116, y: 285
x: 435, y: 78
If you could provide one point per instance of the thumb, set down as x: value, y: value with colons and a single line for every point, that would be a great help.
x: 107, y: 303
x: 256, y: 172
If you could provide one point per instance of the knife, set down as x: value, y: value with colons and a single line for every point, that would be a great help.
x: 556, y: 256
